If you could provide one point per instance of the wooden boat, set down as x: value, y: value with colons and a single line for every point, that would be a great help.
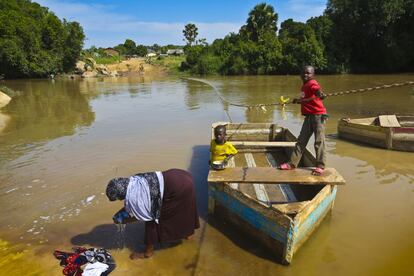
x: 280, y: 209
x: 385, y: 131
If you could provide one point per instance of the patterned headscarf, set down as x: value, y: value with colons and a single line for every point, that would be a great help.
x: 117, y: 188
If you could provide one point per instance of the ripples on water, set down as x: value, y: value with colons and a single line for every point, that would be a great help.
x: 68, y: 138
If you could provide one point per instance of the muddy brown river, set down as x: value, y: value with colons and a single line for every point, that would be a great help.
x: 67, y: 138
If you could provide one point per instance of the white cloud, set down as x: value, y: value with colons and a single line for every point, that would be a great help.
x: 302, y: 10
x: 104, y: 27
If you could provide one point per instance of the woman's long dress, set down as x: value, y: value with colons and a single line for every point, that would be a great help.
x: 179, y: 217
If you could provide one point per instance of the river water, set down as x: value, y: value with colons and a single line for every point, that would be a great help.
x: 67, y: 138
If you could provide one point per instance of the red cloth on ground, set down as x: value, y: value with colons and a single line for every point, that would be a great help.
x: 314, y: 106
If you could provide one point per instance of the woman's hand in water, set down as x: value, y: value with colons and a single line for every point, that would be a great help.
x: 121, y: 216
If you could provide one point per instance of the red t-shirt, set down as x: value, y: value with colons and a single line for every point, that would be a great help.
x: 314, y: 106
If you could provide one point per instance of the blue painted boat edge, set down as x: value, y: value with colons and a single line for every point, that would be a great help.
x: 253, y: 217
x: 301, y: 231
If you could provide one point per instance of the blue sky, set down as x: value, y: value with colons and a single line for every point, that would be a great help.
x: 108, y: 23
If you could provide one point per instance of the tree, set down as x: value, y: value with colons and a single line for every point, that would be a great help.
x: 73, y: 43
x: 130, y: 47
x: 262, y: 19
x: 300, y: 47
x: 190, y: 33
x: 202, y: 41
x: 34, y: 42
x: 141, y: 50
x: 121, y: 49
x: 156, y: 48
x: 322, y: 26
x: 373, y: 35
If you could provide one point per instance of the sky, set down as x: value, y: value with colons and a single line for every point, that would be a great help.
x: 107, y: 23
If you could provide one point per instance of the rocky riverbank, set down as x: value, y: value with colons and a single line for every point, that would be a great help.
x: 130, y: 67
x: 4, y: 100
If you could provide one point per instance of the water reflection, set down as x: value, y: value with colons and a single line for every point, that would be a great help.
x: 198, y: 93
x: 388, y: 165
x: 43, y: 112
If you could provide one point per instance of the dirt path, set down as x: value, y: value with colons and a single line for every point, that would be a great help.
x: 136, y: 66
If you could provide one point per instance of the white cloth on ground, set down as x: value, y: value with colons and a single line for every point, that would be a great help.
x: 94, y: 269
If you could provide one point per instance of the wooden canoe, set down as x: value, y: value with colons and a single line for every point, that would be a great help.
x: 385, y: 131
x: 280, y: 216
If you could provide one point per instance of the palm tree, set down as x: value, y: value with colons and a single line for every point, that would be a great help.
x: 190, y: 33
x: 262, y: 19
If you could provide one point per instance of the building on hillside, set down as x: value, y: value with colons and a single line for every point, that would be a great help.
x: 175, y: 52
x: 151, y: 55
x: 131, y: 56
x: 111, y: 52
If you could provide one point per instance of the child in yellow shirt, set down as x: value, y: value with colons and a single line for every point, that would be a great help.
x: 220, y: 149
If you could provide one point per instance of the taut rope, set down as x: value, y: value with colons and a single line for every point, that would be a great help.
x: 262, y: 106
x: 222, y: 99
x: 398, y: 84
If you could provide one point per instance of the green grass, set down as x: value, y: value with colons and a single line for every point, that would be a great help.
x: 171, y: 63
x: 107, y: 60
x: 10, y: 92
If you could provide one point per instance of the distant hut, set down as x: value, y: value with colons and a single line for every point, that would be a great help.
x: 151, y: 55
x: 111, y: 52
x: 175, y: 52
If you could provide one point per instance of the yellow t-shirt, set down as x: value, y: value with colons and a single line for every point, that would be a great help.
x: 220, y: 152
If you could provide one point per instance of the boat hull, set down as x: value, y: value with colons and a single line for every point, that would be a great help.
x: 277, y: 232
x: 280, y: 226
x: 393, y: 138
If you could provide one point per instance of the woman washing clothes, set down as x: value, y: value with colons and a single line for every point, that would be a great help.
x: 165, y: 201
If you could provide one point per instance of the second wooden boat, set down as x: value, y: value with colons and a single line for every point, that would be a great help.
x: 385, y: 131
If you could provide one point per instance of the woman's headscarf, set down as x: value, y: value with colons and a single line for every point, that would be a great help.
x: 117, y: 188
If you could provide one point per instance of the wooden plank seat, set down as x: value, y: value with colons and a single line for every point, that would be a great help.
x: 266, y: 194
x: 388, y: 121
x: 253, y: 144
x: 267, y: 175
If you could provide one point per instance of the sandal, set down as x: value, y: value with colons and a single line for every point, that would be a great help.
x: 285, y: 167
x: 317, y: 171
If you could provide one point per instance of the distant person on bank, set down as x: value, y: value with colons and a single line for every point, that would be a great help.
x: 315, y: 116
x: 165, y: 201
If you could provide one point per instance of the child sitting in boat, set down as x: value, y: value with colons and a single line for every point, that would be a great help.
x: 315, y: 115
x: 221, y: 150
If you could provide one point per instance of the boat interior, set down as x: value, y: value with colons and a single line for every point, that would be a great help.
x: 258, y: 153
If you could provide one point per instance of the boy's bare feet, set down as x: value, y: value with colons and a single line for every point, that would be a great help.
x: 190, y: 238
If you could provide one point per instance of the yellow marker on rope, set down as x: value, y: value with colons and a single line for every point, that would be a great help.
x: 283, y: 101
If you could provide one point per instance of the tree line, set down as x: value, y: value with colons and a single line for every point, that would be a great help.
x: 34, y: 42
x: 130, y: 48
x: 357, y: 36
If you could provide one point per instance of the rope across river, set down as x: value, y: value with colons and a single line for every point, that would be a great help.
x: 283, y: 101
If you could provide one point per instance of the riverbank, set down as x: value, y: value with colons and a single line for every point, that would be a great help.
x: 136, y: 66
x: 4, y: 119
x: 140, y: 66
x: 149, y: 67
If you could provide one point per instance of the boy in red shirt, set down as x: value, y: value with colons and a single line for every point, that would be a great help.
x: 315, y: 114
